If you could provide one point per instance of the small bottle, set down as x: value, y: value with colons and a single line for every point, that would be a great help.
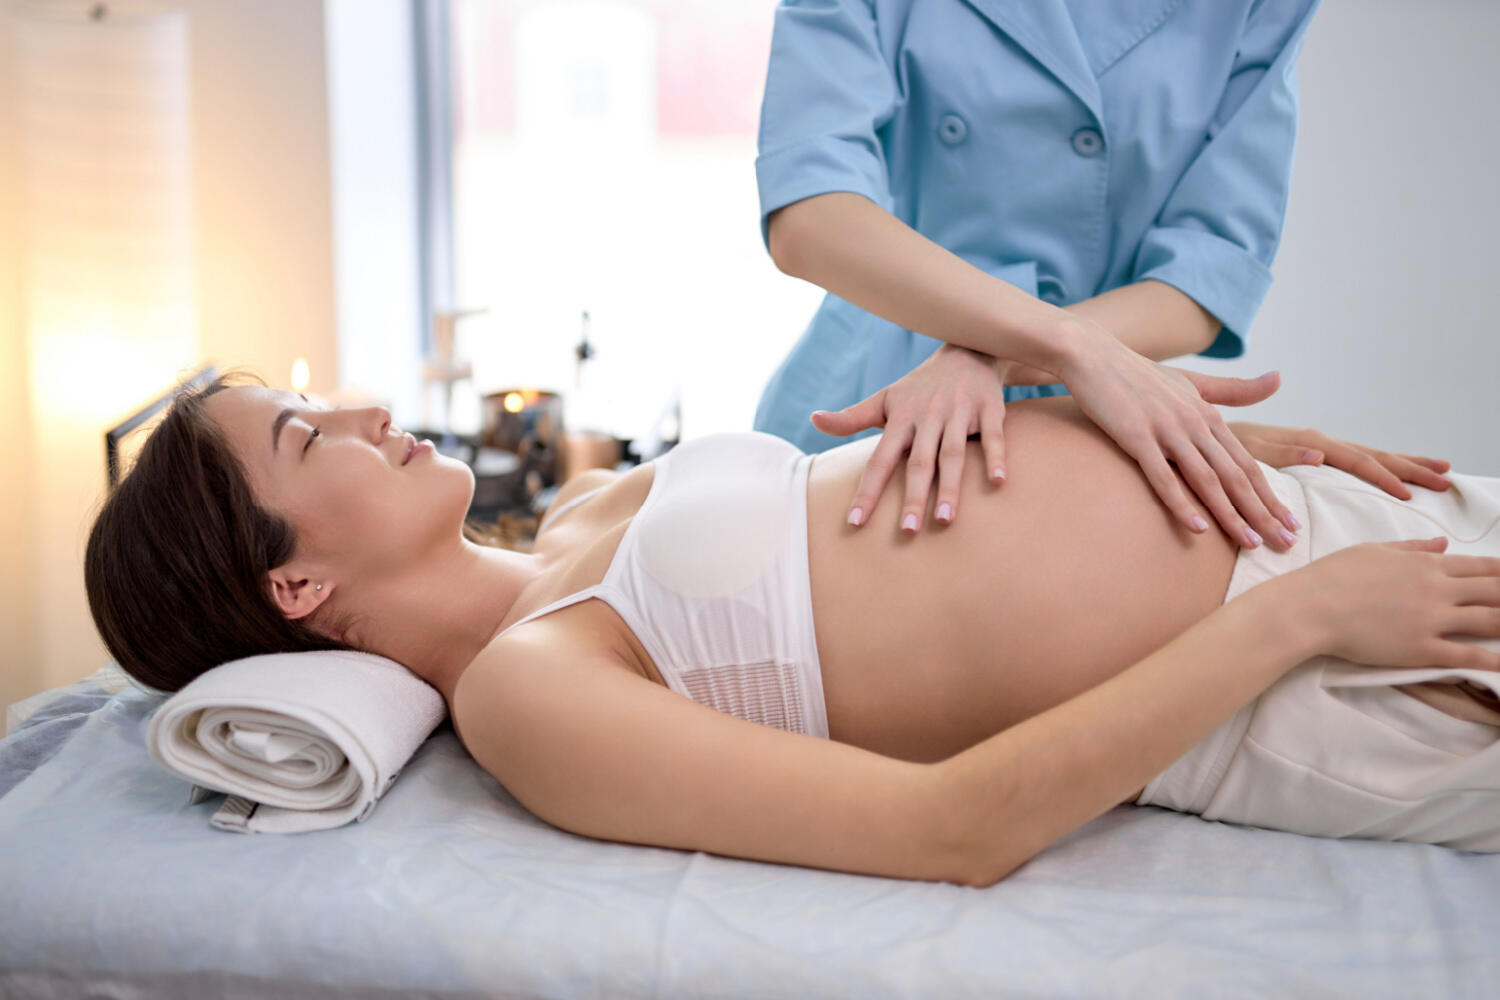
x: 582, y: 407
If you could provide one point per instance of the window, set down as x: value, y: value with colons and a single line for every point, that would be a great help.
x: 603, y: 161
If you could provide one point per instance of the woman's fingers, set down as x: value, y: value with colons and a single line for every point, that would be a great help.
x: 1476, y: 594
x: 1474, y: 620
x: 1367, y: 467
x: 1435, y: 464
x: 1412, y: 471
x: 1279, y: 455
x: 1481, y: 576
x: 1407, y: 471
x: 1464, y: 656
x: 1387, y: 470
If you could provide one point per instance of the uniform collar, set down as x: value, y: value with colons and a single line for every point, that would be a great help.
x: 1045, y: 29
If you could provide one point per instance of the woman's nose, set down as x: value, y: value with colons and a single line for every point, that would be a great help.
x: 382, y: 422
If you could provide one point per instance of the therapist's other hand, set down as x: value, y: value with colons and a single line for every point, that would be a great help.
x: 1282, y: 446
x: 930, y: 411
x: 1159, y: 414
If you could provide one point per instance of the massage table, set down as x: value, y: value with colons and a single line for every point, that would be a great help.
x: 113, y: 885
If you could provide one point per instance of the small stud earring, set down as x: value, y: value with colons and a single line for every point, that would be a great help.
x: 318, y: 587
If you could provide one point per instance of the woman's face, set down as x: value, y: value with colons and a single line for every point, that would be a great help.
x: 338, y: 476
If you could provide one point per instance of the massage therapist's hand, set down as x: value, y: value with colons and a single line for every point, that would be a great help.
x: 1390, y: 604
x: 1282, y: 446
x: 1159, y: 414
x: 931, y: 410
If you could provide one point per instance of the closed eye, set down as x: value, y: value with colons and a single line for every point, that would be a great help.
x: 310, y: 437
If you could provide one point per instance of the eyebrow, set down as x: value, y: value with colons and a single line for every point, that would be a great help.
x: 280, y: 422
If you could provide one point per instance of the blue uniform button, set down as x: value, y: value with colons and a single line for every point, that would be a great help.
x: 1087, y: 142
x: 952, y: 130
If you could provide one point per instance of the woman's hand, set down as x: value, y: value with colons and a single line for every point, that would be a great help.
x: 1159, y: 414
x: 1282, y: 446
x: 931, y: 410
x: 1390, y: 604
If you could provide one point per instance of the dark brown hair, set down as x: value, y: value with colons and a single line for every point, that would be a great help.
x: 176, y: 562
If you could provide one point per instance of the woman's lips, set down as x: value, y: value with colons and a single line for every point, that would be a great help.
x: 415, y: 448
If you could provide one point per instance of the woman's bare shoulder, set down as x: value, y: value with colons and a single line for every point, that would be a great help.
x: 579, y: 486
x: 584, y: 481
x: 558, y: 637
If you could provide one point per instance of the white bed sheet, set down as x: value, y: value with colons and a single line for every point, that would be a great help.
x: 113, y: 886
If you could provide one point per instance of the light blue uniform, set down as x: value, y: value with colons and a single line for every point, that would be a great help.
x: 1067, y: 148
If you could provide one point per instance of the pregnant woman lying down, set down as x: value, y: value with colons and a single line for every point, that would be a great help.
x: 702, y: 653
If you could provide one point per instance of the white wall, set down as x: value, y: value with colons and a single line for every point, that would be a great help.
x: 264, y: 281
x: 20, y: 669
x: 261, y: 167
x: 1383, y: 315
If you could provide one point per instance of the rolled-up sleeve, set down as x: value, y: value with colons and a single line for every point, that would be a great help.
x: 828, y: 91
x: 1218, y: 232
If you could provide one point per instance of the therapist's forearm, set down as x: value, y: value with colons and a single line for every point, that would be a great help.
x: 847, y: 244
x: 1151, y: 318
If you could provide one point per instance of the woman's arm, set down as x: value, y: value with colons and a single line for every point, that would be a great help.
x: 1026, y: 787
x: 1383, y: 604
x: 591, y: 747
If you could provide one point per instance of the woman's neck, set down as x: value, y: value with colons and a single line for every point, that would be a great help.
x: 436, y: 619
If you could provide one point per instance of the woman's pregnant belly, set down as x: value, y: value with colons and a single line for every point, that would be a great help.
x: 1043, y: 587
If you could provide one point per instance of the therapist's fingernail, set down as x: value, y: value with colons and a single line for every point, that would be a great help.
x: 945, y: 512
x: 1292, y: 522
x: 909, y: 522
x: 1199, y: 524
x: 1288, y: 538
x: 1252, y: 537
x: 856, y: 516
x: 997, y: 473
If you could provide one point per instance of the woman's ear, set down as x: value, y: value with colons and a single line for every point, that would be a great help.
x: 295, y: 594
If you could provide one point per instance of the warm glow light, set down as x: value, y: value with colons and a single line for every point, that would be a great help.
x: 299, y: 374
x: 514, y: 402
x: 107, y: 278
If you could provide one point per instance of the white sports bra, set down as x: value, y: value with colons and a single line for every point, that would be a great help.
x: 712, y: 577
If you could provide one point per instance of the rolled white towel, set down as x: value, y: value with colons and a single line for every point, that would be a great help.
x: 299, y: 741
